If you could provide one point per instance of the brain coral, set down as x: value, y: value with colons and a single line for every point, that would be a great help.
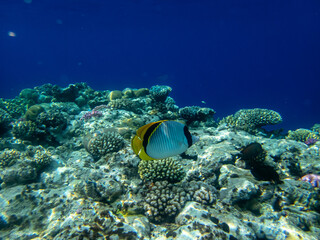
x: 33, y: 112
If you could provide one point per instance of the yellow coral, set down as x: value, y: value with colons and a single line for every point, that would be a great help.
x: 116, y: 94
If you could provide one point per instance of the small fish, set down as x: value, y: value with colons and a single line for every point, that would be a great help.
x: 203, y: 102
x: 162, y: 139
x: 313, y: 179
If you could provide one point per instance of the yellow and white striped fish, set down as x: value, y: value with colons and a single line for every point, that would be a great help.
x: 162, y: 139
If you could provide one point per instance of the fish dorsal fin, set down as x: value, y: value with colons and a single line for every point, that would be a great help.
x: 142, y: 131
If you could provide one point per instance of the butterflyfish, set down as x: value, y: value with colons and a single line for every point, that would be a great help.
x: 162, y: 139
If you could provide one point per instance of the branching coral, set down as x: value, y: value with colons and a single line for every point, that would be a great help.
x: 102, y: 142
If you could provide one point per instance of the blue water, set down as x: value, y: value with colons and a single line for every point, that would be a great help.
x: 230, y: 54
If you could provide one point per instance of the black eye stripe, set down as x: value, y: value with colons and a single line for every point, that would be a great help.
x: 188, y: 135
x: 148, y: 134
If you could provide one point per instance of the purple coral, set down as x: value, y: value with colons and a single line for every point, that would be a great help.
x: 311, y: 141
x: 91, y: 114
x: 97, y: 108
x: 313, y: 179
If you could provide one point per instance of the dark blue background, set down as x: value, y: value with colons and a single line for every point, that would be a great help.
x: 231, y: 54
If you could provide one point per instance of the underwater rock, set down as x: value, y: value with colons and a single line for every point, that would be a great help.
x: 238, y: 185
x: 20, y: 174
x: 104, y: 190
x: 68, y: 94
x: 81, y: 101
x: 195, y: 223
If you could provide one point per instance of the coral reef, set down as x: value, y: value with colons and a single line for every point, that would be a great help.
x: 116, y: 94
x: 8, y: 157
x: 202, y: 192
x: 196, y: 113
x: 14, y: 107
x: 313, y: 179
x: 316, y: 128
x: 164, y: 201
x: 25, y: 130
x: 42, y: 159
x: 142, y: 92
x: 103, y: 141
x: 5, y: 120
x: 302, y: 135
x: 33, y: 112
x: 66, y: 174
x: 125, y: 104
x: 53, y: 120
x: 252, y: 119
x: 104, y: 190
x: 160, y: 93
x: 158, y: 170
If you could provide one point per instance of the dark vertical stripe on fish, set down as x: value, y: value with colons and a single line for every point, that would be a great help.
x: 148, y: 133
x: 188, y: 135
